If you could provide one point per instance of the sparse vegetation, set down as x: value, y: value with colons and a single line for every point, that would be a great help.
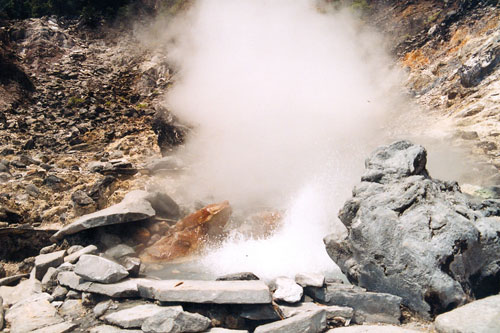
x: 75, y: 101
x: 89, y: 10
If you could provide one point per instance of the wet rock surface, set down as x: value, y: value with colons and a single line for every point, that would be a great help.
x: 416, y: 237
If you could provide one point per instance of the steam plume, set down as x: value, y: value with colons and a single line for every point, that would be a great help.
x: 286, y: 100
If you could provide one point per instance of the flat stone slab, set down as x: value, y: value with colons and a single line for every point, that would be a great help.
x: 24, y: 290
x: 373, y: 329
x: 482, y: 316
x: 194, y: 291
x: 133, y: 207
x: 310, y: 279
x: 311, y: 322
x: 73, y: 257
x: 173, y: 319
x: 99, y: 269
x: 135, y: 316
x: 111, y: 329
x: 32, y: 314
x: 369, y: 307
x: 225, y: 330
x: 57, y: 328
x: 10, y: 280
x: 44, y: 261
x: 332, y: 311
x: 124, y: 288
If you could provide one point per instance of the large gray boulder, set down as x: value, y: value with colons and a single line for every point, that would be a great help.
x: 99, y: 269
x: 481, y: 316
x: 416, y: 237
x: 135, y: 206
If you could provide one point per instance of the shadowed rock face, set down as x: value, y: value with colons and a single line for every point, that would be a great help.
x: 416, y: 237
x: 190, y: 234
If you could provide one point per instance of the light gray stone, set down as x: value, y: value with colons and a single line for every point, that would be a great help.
x: 48, y: 249
x: 369, y: 307
x: 373, y: 329
x: 482, y: 316
x: 44, y: 261
x: 193, y: 291
x: 72, y: 294
x: 119, y: 251
x: 74, y: 248
x: 332, y: 311
x: 102, y: 307
x: 10, y: 280
x: 175, y: 320
x: 49, y: 279
x: 1, y: 314
x: 124, y: 288
x: 135, y: 316
x: 99, y: 269
x: 72, y: 308
x: 59, y: 293
x: 307, y: 322
x: 310, y: 279
x: 225, y: 330
x: 57, y: 328
x: 132, y: 265
x: 287, y: 290
x: 32, y: 314
x: 74, y: 256
x: 111, y: 329
x: 133, y: 207
x: 24, y: 290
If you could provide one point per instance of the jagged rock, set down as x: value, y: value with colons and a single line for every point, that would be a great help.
x: 481, y: 64
x: 133, y: 207
x: 416, y: 237
x: 369, y: 307
x: 310, y: 279
x: 224, y: 330
x: 44, y: 261
x: 10, y: 280
x: 238, y: 277
x: 259, y: 312
x: 49, y: 279
x: 218, y: 292
x: 119, y: 251
x: 189, y: 235
x: 32, y: 314
x: 124, y: 288
x: 164, y: 205
x: 134, y: 316
x: 1, y: 314
x: 24, y: 290
x: 332, y: 311
x: 74, y: 256
x: 373, y: 329
x: 57, y: 328
x: 81, y: 198
x: 287, y: 290
x: 482, y: 316
x: 311, y: 321
x: 48, y: 249
x: 111, y: 329
x: 173, y: 320
x: 102, y: 307
x: 132, y: 265
x: 72, y: 308
x: 99, y: 269
x: 59, y: 293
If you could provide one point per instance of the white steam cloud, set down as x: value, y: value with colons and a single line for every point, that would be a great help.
x: 286, y: 100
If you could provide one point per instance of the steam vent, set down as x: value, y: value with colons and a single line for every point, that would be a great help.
x: 302, y: 166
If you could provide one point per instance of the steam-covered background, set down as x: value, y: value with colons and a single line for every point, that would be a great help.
x: 286, y: 98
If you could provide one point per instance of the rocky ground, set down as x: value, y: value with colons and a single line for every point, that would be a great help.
x: 83, y: 134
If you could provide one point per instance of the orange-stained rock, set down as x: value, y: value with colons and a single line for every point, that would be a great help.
x: 189, y: 235
x: 142, y: 235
